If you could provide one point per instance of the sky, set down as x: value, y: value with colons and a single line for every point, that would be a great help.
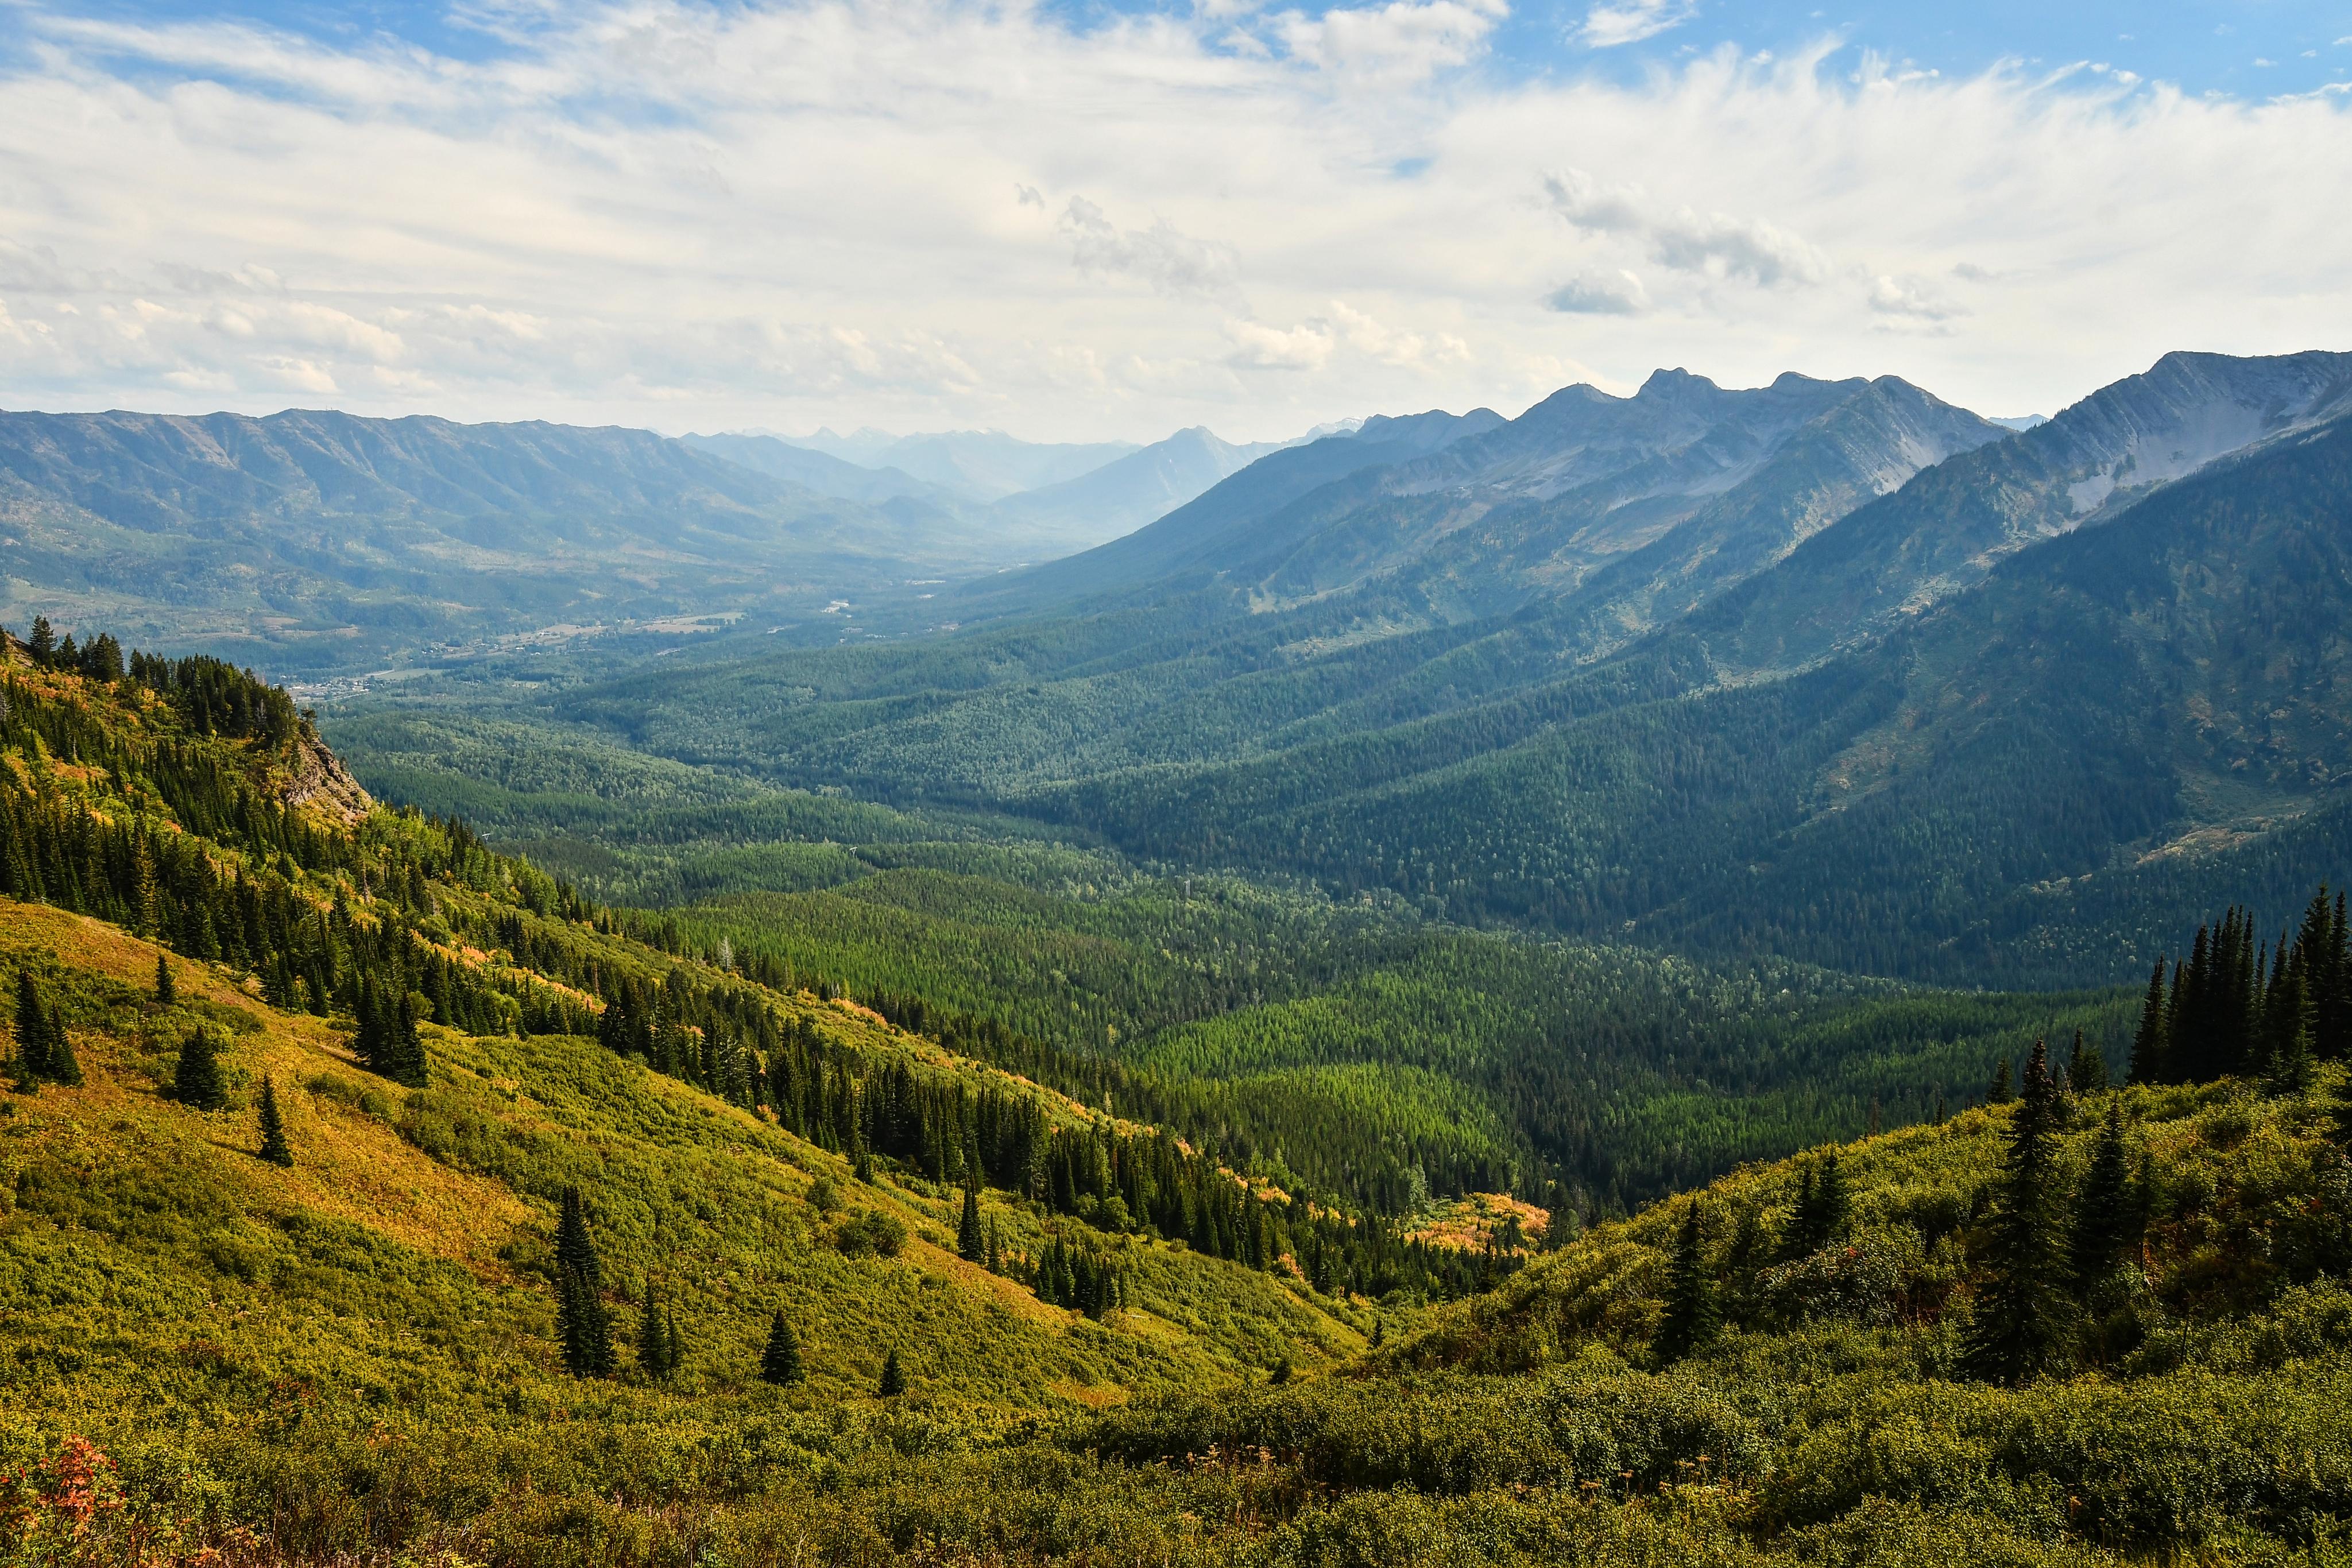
x: 1085, y: 221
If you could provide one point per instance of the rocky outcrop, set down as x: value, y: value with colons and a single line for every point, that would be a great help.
x: 322, y: 783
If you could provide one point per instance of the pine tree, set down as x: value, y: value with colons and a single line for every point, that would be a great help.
x: 780, y: 1364
x: 673, y: 1344
x: 166, y: 993
x: 894, y: 1376
x: 64, y: 1066
x: 861, y: 1162
x: 586, y: 1327
x: 407, y: 1048
x: 1822, y: 1205
x: 2001, y: 1090
x: 44, y: 640
x: 971, y: 1244
x: 2107, y: 1218
x: 196, y: 1083
x: 273, y: 1127
x: 1693, y: 1315
x: 2086, y: 1068
x: 653, y: 1338
x: 32, y: 1059
x: 2017, y: 1328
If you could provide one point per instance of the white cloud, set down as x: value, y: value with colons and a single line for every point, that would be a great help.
x: 1403, y: 42
x: 918, y: 212
x: 1599, y: 294
x: 1630, y: 21
x: 1171, y: 261
x: 1688, y: 241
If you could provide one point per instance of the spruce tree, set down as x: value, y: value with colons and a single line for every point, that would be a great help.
x: 2002, y: 1090
x: 780, y: 1364
x: 1822, y: 1203
x: 2086, y: 1068
x: 166, y: 993
x: 894, y: 1376
x: 196, y: 1083
x: 64, y: 1066
x: 1693, y: 1315
x: 273, y: 1127
x: 653, y: 1338
x: 405, y: 1048
x: 2106, y: 1217
x: 586, y: 1327
x: 970, y: 1242
x: 2018, y: 1327
x: 32, y: 1059
x: 673, y: 1344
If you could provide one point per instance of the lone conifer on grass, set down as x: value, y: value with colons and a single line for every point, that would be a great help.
x: 1693, y: 1316
x: 2106, y: 1217
x: 166, y: 993
x: 273, y: 1127
x: 780, y: 1364
x: 894, y: 1376
x: 31, y: 1062
x: 2017, y: 1330
x: 586, y: 1327
x: 972, y: 1243
x: 196, y: 1083
x: 653, y: 1337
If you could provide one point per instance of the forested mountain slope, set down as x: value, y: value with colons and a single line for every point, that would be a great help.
x: 1356, y: 1044
x: 2033, y: 775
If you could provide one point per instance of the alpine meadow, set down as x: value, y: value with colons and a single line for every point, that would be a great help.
x: 804, y: 785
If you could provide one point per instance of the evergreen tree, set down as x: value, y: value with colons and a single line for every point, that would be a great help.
x: 407, y: 1048
x: 197, y: 1081
x: 1693, y: 1315
x: 780, y: 1364
x: 971, y: 1244
x: 653, y: 1337
x: 2086, y: 1068
x: 673, y: 1344
x: 64, y: 1066
x: 861, y: 1162
x: 2106, y: 1217
x: 166, y: 993
x: 894, y: 1376
x: 586, y: 1327
x: 2001, y: 1090
x: 1823, y: 1205
x: 273, y: 1127
x: 2017, y: 1328
x: 32, y: 1059
x: 44, y: 640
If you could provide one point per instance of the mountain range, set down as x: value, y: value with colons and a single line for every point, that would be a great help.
x: 1827, y: 669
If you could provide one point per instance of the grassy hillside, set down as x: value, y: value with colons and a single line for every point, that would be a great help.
x: 353, y: 1356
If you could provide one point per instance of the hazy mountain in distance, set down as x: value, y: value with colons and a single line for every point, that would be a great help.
x: 1126, y: 492
x: 2018, y: 421
x: 1189, y: 534
x: 978, y: 465
x: 822, y: 472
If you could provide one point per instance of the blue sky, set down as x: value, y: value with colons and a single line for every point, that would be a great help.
x: 1085, y: 220
x: 2243, y: 47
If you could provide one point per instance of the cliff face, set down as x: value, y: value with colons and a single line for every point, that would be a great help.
x: 321, y: 781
